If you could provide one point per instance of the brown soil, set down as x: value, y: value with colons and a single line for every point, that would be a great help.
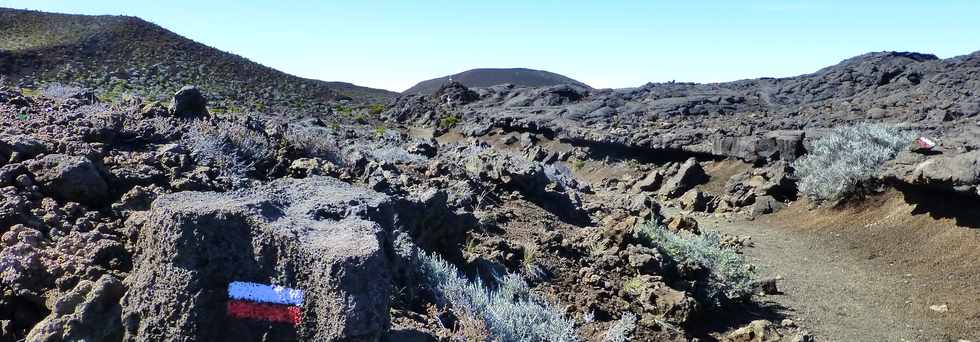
x: 720, y: 172
x: 869, y: 272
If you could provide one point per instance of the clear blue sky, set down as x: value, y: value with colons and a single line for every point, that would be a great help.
x: 396, y: 43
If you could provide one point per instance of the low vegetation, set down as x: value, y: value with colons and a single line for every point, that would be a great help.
x: 449, y: 121
x: 621, y: 330
x: 510, y: 312
x: 840, y: 163
x: 729, y: 276
x: 231, y: 149
x: 376, y: 109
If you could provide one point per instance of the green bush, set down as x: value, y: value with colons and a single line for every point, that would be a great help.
x: 376, y: 109
x: 839, y: 163
x: 729, y: 276
x: 345, y: 111
x: 449, y: 121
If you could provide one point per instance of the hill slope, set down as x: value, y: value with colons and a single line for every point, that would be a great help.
x: 117, y: 54
x: 490, y: 77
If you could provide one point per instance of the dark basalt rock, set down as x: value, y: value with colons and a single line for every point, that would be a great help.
x: 316, y: 234
x: 71, y: 178
x: 189, y: 101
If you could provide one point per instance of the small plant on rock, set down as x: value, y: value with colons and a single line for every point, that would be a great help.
x: 598, y: 248
x: 635, y: 286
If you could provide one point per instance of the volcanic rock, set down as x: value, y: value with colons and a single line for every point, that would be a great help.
x: 71, y: 178
x: 689, y: 175
x: 189, y: 101
x: 316, y: 234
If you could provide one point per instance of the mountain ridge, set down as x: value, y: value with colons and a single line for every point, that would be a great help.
x: 140, y: 56
x: 485, y: 77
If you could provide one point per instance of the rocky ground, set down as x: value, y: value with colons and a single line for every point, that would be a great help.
x: 125, y: 218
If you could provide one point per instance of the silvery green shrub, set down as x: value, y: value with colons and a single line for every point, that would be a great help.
x: 838, y: 163
x: 510, y: 312
x: 621, y: 330
x: 231, y: 148
x: 729, y: 276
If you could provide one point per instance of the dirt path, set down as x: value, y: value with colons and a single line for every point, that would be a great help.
x: 836, y: 289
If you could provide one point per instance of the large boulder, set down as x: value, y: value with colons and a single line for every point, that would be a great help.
x: 774, y: 145
x: 71, y: 178
x: 688, y: 176
x: 961, y: 170
x: 189, y: 101
x: 317, y: 234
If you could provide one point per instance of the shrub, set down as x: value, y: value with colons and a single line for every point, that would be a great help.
x: 729, y: 276
x: 376, y: 109
x: 620, y: 331
x: 61, y: 92
x: 449, y: 121
x: 345, y: 111
x: 394, y: 154
x: 839, y: 163
x: 635, y: 285
x: 230, y: 148
x: 510, y: 313
x: 314, y: 142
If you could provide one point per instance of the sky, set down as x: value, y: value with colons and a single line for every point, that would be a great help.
x: 394, y: 44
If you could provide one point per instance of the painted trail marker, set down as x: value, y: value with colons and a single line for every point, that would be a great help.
x: 925, y: 143
x: 264, y: 302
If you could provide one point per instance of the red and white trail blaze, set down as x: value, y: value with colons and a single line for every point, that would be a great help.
x: 925, y: 143
x: 264, y: 302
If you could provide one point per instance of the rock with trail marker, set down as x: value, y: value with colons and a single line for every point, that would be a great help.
x: 296, y: 259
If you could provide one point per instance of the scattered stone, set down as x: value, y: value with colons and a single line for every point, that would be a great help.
x: 766, y: 286
x: 689, y: 175
x: 651, y: 182
x: 693, y: 200
x: 527, y: 139
x: 766, y: 205
x: 89, y: 312
x: 757, y: 331
x: 20, y: 147
x: 683, y: 223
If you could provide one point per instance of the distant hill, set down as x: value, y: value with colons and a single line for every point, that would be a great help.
x: 490, y: 77
x: 119, y: 54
